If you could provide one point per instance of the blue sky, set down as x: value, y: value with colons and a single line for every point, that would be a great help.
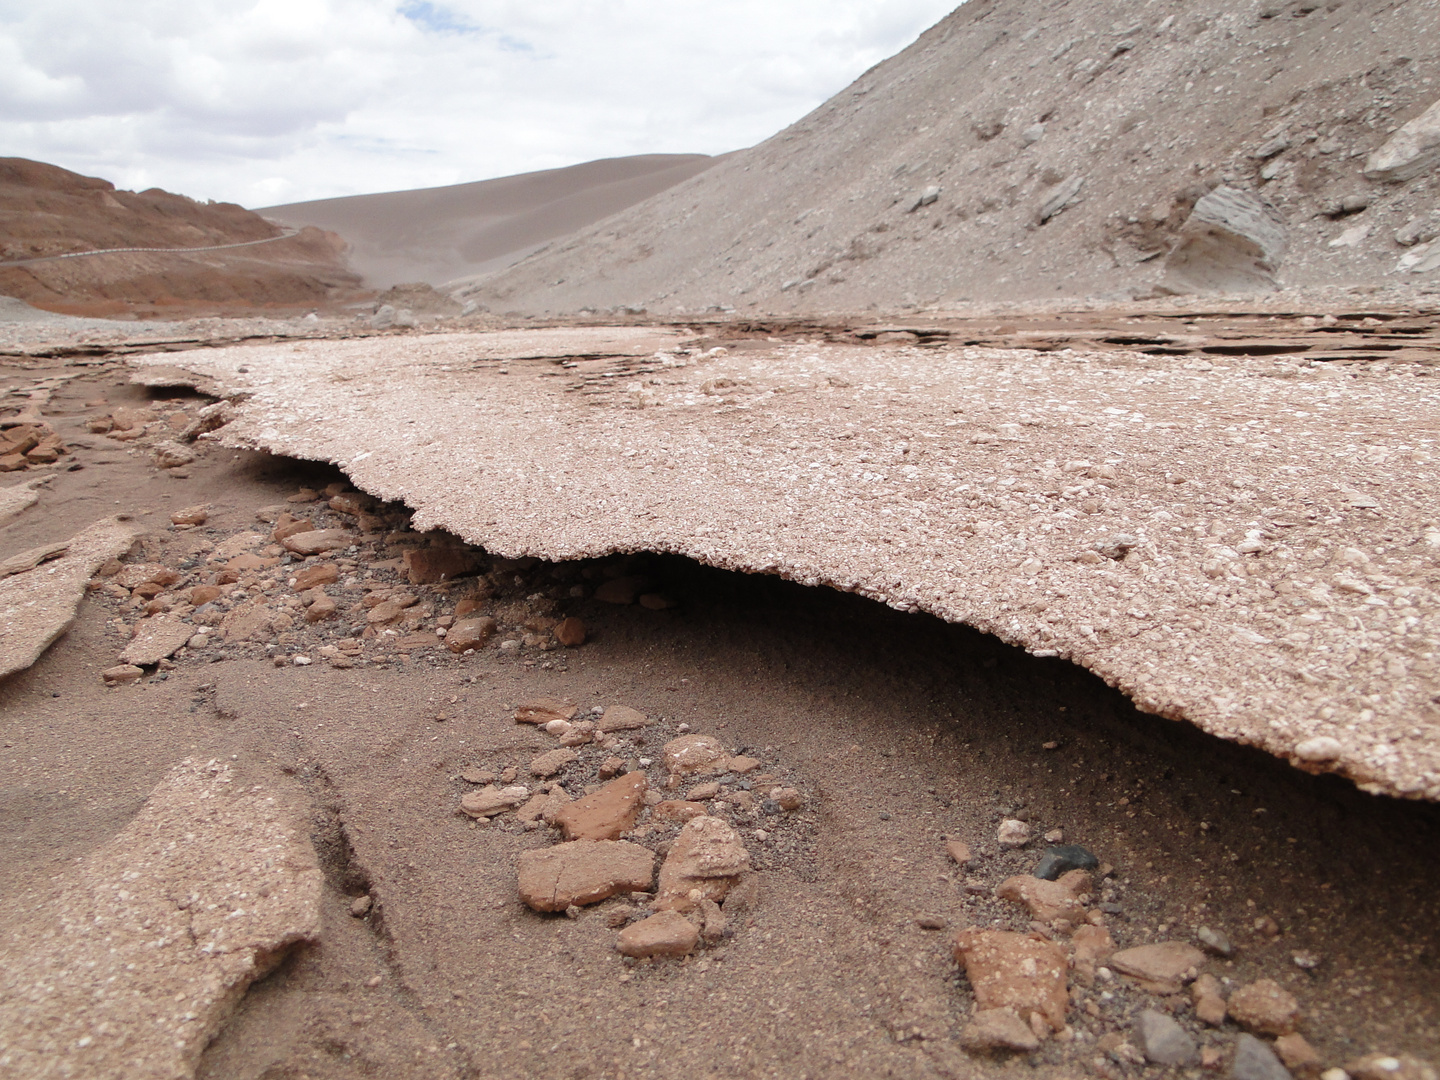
x: 268, y: 101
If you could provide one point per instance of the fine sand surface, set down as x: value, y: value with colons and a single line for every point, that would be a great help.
x: 896, y: 731
x: 437, y: 235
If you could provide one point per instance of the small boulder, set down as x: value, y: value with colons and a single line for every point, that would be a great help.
x: 1209, y: 1001
x: 491, y: 800
x: 470, y: 634
x: 1048, y: 900
x: 1016, y: 971
x: 1159, y: 968
x: 665, y: 933
x: 1265, y: 1006
x: 426, y: 566
x: 583, y: 872
x: 1254, y: 1060
x: 543, y: 710
x: 1013, y: 833
x: 1163, y: 1041
x: 552, y: 762
x: 570, y: 632
x: 705, y: 861
x: 607, y: 813
x: 622, y: 718
x: 318, y: 541
x: 323, y: 573
x: 1410, y: 152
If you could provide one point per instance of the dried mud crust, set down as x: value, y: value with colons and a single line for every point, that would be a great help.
x: 902, y: 731
x: 1243, y: 542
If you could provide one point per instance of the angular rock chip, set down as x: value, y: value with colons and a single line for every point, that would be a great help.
x: 1159, y: 968
x: 583, y: 872
x: 319, y: 541
x: 704, y: 863
x: 1062, y: 858
x: 1209, y: 1001
x: 38, y: 605
x: 323, y: 573
x: 665, y: 933
x: 1048, y: 900
x: 491, y: 800
x: 1009, y: 970
x: 154, y: 639
x: 543, y: 710
x: 606, y: 813
x: 997, y: 1029
x: 551, y: 762
x: 622, y: 718
x: 134, y: 962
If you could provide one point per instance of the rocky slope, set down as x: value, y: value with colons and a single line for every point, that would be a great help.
x: 47, y: 211
x: 434, y: 235
x: 1028, y: 149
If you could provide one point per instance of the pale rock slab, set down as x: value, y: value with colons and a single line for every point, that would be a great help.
x: 133, y: 963
x: 38, y: 605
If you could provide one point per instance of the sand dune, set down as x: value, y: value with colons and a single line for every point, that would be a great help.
x: 440, y: 234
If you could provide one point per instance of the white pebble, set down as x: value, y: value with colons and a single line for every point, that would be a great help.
x: 558, y: 727
x: 646, y: 762
x: 1318, y: 750
x: 683, y: 728
x: 301, y: 661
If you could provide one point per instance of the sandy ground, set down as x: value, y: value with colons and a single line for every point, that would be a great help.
x: 899, y: 730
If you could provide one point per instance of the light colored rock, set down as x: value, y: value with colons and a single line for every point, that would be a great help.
x: 622, y: 718
x: 1163, y: 1041
x: 133, y: 962
x: 1254, y: 1060
x: 583, y: 872
x: 1296, y: 1053
x: 1410, y: 152
x: 470, y: 634
x: 1048, y: 900
x: 134, y: 575
x: 1214, y: 941
x: 676, y: 810
x: 191, y: 515
x: 319, y: 541
x: 958, y: 850
x: 997, y: 1029
x: 1159, y: 968
x: 1418, y: 230
x: 607, y: 813
x: 1233, y: 241
x: 692, y: 754
x: 705, y: 861
x: 1391, y: 1067
x: 121, y: 674
x: 1209, y: 1001
x: 1013, y: 833
x: 1063, y: 194
x: 552, y: 761
x: 38, y: 605
x: 543, y: 710
x: 1420, y: 259
x: 1009, y: 970
x: 1266, y: 1007
x: 154, y: 639
x: 173, y: 455
x: 491, y: 800
x: 924, y: 198
x: 665, y: 933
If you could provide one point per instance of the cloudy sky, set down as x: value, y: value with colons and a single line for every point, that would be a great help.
x: 269, y: 101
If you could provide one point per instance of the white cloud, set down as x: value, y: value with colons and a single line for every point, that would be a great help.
x: 263, y: 101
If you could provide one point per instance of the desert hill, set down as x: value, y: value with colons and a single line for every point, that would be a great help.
x: 1029, y: 149
x: 46, y: 210
x: 436, y: 235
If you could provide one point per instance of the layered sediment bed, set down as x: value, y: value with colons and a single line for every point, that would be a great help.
x: 1246, y: 543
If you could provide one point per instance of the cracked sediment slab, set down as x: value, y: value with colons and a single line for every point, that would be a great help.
x: 132, y: 961
x: 1277, y: 519
x: 38, y: 604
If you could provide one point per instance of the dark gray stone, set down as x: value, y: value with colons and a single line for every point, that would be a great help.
x: 1254, y: 1060
x: 1164, y: 1041
x: 1062, y: 858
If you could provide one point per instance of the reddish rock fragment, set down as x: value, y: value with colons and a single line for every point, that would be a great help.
x: 583, y: 872
x: 1009, y: 970
x: 662, y: 934
x: 607, y: 813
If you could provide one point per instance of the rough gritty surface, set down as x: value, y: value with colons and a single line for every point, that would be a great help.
x: 1247, y: 543
x: 38, y: 605
x: 1026, y: 149
x: 133, y: 962
x: 899, y: 731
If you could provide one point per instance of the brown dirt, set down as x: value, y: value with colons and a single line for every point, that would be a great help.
x: 46, y: 210
x: 898, y: 729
